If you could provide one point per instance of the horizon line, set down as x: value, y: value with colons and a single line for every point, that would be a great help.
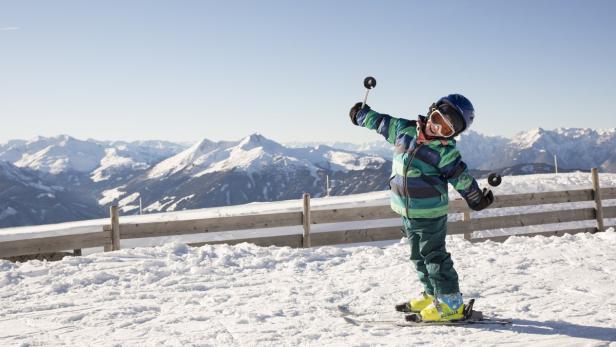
x: 39, y: 137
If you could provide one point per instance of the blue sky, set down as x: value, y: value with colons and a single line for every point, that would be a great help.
x: 290, y: 70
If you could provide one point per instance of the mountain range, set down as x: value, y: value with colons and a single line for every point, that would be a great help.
x: 574, y: 148
x: 165, y: 176
x: 54, y: 179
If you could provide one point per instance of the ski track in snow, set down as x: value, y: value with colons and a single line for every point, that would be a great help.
x: 559, y: 291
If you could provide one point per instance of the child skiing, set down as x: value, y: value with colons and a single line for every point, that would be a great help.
x: 425, y: 159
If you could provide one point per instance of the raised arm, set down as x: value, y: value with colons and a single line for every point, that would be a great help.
x: 384, y: 124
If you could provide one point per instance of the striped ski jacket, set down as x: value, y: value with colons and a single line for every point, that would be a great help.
x: 420, y: 170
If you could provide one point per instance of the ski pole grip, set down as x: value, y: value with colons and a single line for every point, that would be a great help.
x: 494, y: 179
x: 369, y: 82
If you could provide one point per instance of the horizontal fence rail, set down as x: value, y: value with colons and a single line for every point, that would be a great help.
x: 218, y: 224
x: 111, y: 235
x: 53, y: 244
x: 608, y: 193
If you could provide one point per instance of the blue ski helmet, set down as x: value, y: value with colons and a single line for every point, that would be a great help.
x: 463, y: 106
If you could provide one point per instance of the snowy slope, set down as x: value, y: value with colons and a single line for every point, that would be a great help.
x: 113, y: 164
x: 61, y: 154
x: 252, y: 154
x: 124, y: 160
x: 25, y: 197
x: 380, y: 147
x: 575, y: 148
x: 558, y: 291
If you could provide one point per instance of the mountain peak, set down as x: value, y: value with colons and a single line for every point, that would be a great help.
x: 536, y: 131
x: 61, y: 153
x: 257, y: 140
x: 253, y: 138
x: 202, y: 146
x: 65, y: 140
x: 527, y: 139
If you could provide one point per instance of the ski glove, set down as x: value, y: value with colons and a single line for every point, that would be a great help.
x: 486, y: 199
x: 354, y: 110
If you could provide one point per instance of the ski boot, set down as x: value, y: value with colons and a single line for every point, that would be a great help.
x: 446, y: 307
x: 416, y: 304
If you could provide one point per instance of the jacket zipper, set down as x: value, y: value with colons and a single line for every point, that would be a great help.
x: 407, y: 199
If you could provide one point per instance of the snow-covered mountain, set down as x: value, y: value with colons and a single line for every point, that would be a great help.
x: 253, y: 153
x: 380, y: 148
x: 252, y: 169
x: 129, y: 158
x: 55, y: 179
x: 63, y: 154
x: 169, y: 176
x: 26, y: 198
x: 60, y: 154
x: 575, y: 148
x: 125, y: 160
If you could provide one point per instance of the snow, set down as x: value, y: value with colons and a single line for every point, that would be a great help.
x: 349, y: 161
x: 549, y: 182
x: 101, y: 159
x: 45, y: 195
x: 254, y: 153
x: 61, y: 154
x: 110, y: 195
x: 126, y: 203
x: 175, y: 205
x: 127, y: 200
x: 558, y: 291
x: 527, y: 139
x: 510, y: 185
x: 113, y: 161
x: 158, y: 206
x: 197, y: 153
x: 250, y: 160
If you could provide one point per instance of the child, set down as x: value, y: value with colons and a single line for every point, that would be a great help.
x: 425, y: 159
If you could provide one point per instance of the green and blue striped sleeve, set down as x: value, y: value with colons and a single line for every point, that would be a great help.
x: 384, y: 124
x: 456, y: 172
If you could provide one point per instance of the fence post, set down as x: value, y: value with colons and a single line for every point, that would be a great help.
x: 115, y: 230
x: 467, y: 218
x: 306, y: 221
x: 597, y: 196
x: 108, y: 247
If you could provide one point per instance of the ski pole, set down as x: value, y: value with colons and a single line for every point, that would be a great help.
x: 369, y: 83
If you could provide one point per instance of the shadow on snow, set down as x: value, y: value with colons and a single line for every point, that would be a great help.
x: 526, y: 326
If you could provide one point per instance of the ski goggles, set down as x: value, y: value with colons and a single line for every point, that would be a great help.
x: 442, y: 124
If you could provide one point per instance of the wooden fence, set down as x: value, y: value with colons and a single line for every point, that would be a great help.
x: 111, y: 235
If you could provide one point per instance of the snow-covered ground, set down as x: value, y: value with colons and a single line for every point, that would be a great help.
x: 558, y: 291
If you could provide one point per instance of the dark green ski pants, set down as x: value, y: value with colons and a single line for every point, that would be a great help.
x: 434, y: 265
